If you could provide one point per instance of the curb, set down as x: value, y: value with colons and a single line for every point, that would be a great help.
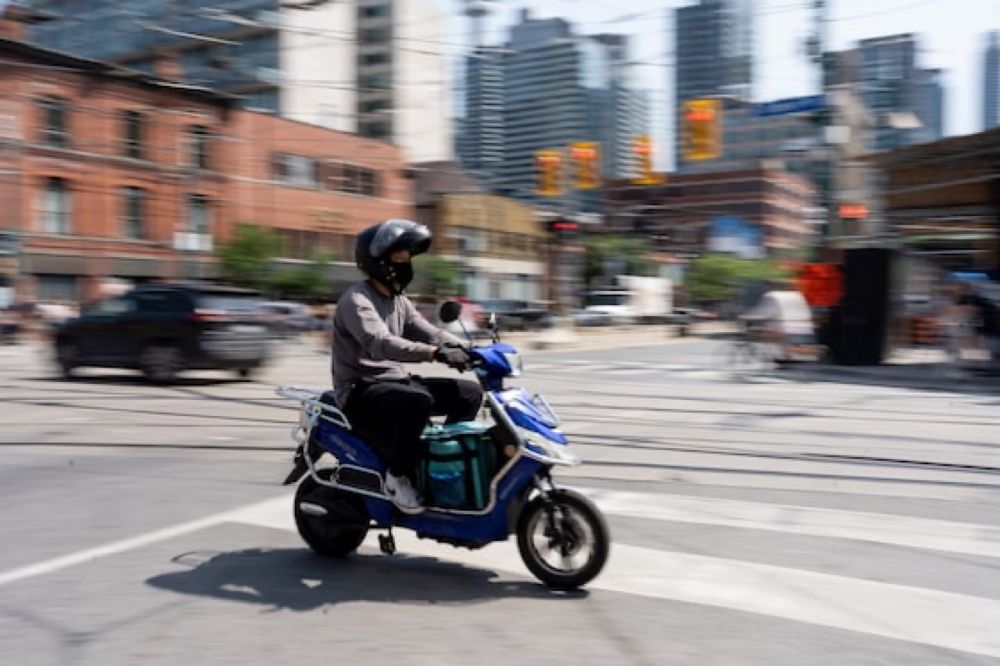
x: 929, y: 377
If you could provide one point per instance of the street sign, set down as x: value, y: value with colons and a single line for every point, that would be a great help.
x: 822, y: 285
x: 790, y: 105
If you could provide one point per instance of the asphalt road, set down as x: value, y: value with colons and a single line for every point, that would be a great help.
x: 764, y: 520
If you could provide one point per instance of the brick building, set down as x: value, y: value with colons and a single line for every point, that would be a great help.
x: 108, y: 174
x: 682, y: 216
x: 98, y: 170
x: 317, y: 187
x: 942, y: 201
x: 497, y: 243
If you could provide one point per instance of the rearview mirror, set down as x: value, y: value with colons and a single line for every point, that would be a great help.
x: 449, y: 311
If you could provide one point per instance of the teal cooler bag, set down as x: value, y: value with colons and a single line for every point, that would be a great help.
x: 458, y: 466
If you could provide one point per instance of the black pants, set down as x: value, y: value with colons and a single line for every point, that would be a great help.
x: 390, y: 415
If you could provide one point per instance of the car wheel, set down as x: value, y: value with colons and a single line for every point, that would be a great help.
x: 161, y: 363
x: 67, y: 358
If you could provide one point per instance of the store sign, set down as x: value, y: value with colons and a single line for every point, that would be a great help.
x: 733, y: 235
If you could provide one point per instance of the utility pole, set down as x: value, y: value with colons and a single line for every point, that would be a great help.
x: 817, y: 46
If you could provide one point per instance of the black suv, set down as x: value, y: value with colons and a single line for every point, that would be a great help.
x: 164, y: 329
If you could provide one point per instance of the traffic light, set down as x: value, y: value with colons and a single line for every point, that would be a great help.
x: 586, y: 165
x: 548, y: 166
x: 643, y: 148
x: 561, y: 224
x: 702, y: 129
x: 852, y: 211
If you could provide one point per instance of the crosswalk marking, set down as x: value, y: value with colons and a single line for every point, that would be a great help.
x: 897, y: 530
x: 944, y: 619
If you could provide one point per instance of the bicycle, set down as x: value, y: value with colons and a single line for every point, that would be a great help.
x: 748, y: 353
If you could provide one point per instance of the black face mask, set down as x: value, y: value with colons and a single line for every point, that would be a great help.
x: 400, y: 274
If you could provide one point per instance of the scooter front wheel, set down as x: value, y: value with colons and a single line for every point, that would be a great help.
x: 563, y: 539
x: 332, y: 522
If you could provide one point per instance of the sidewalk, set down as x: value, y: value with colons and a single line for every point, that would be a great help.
x: 603, y: 337
x: 909, y: 368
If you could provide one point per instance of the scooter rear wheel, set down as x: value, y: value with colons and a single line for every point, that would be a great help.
x: 333, y: 534
x: 563, y: 539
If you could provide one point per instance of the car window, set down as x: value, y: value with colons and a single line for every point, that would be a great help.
x: 228, y: 302
x: 605, y: 299
x: 113, y: 307
x: 162, y: 302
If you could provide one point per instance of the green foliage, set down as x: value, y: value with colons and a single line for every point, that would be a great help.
x: 718, y: 277
x: 246, y: 259
x: 306, y: 282
x: 631, y: 255
x: 439, y: 275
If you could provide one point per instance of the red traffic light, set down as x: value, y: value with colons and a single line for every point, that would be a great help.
x: 562, y: 225
x: 853, y: 211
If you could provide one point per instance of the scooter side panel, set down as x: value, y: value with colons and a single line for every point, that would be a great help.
x: 347, y: 447
x: 463, y: 527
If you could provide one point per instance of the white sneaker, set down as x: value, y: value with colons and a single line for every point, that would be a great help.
x: 401, y: 492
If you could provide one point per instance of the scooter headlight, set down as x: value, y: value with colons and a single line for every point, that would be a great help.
x: 515, y: 362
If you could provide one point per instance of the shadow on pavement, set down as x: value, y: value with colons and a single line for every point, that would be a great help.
x: 298, y: 580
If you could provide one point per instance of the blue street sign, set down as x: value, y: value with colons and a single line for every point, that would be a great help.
x: 791, y: 105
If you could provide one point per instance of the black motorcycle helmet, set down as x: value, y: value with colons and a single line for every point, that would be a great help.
x: 376, y: 243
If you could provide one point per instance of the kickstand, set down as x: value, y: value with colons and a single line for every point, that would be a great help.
x: 387, y: 543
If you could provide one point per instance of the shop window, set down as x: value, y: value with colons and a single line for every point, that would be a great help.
x: 133, y: 212
x: 54, y: 125
x: 55, y: 207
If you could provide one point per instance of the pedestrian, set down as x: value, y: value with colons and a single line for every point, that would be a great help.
x: 953, y: 322
x: 986, y: 321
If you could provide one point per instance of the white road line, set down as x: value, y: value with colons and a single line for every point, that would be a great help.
x: 897, y: 530
x: 943, y: 619
x: 627, y: 371
x: 79, y: 557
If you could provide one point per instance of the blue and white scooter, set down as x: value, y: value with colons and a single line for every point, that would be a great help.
x: 562, y: 537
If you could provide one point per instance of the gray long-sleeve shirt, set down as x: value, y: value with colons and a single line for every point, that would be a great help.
x: 373, y: 335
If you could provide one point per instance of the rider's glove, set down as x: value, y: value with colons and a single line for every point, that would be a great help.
x: 453, y: 356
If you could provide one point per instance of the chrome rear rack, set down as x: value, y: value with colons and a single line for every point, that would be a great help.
x: 312, y: 407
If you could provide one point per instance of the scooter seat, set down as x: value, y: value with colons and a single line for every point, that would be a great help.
x: 329, y: 398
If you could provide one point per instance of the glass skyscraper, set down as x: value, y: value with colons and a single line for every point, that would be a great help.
x: 714, y: 53
x: 991, y: 82
x: 560, y: 88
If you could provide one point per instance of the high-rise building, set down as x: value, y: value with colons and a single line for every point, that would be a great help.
x: 353, y: 65
x: 630, y: 109
x: 991, y: 82
x: 714, y: 53
x: 561, y: 88
x: 929, y: 105
x: 906, y: 101
x: 479, y: 140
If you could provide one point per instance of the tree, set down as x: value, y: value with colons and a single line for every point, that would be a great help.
x: 305, y: 282
x: 440, y: 276
x: 246, y: 259
x: 716, y: 278
x: 606, y: 256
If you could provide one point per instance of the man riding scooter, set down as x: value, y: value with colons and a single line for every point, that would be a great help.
x: 376, y: 329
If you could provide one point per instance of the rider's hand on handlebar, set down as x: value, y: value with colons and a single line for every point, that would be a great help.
x: 453, y: 356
